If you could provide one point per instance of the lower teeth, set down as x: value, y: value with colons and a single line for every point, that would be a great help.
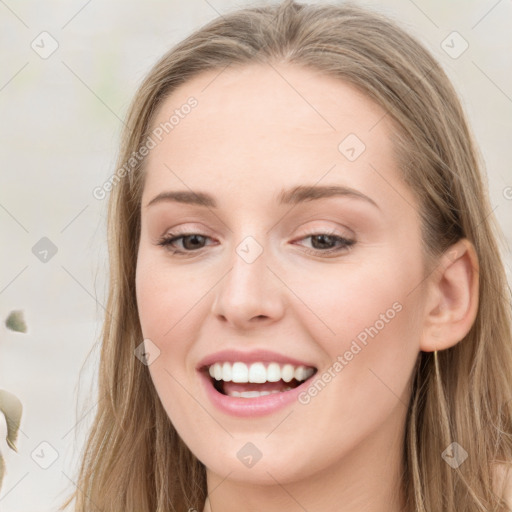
x: 255, y: 394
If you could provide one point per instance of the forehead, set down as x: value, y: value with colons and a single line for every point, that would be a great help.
x: 267, y: 127
x: 261, y: 98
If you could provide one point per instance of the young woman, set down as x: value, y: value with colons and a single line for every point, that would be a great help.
x: 307, y: 307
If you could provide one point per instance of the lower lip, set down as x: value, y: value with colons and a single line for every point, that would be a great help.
x: 250, y: 407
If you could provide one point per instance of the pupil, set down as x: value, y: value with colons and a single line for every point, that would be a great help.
x: 323, y: 238
x: 193, y: 237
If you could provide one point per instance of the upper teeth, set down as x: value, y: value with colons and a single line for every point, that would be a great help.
x: 258, y: 373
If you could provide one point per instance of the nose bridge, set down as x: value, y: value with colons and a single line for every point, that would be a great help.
x: 248, y: 277
x: 249, y: 288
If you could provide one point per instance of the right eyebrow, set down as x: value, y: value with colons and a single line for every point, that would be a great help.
x: 185, y: 196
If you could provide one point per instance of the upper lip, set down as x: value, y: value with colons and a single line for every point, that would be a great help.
x: 254, y: 356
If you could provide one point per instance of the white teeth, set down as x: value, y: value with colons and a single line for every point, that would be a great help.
x: 300, y: 373
x: 250, y: 394
x: 287, y: 372
x: 240, y: 372
x: 254, y: 394
x: 273, y: 372
x: 258, y: 373
x: 226, y: 372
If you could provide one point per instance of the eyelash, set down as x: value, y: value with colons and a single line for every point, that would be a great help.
x: 167, y: 240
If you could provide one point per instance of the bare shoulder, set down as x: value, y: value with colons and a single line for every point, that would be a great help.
x: 503, y: 480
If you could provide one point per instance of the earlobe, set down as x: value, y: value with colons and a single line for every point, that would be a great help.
x: 452, y: 301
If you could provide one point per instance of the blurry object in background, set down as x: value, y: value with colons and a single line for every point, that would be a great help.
x: 10, y: 405
x: 16, y: 322
x: 11, y: 409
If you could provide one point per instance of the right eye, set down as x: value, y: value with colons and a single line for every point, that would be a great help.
x: 191, y: 242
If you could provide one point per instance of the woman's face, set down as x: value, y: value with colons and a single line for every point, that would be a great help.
x: 273, y: 281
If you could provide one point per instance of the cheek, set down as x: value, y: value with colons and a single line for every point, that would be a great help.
x: 165, y: 298
x: 342, y: 301
x: 167, y: 304
x: 369, y: 359
x: 170, y: 301
x: 162, y: 306
x: 367, y: 320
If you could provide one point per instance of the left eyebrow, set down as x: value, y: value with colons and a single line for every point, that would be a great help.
x: 303, y: 193
x: 295, y: 195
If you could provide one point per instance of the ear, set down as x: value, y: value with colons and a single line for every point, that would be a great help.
x: 452, y: 298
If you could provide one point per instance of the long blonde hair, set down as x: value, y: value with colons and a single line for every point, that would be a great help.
x: 134, y: 460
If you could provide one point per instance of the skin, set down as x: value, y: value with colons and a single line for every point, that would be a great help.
x: 256, y: 130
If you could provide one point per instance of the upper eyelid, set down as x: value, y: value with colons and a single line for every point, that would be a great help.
x: 198, y: 230
x: 312, y: 232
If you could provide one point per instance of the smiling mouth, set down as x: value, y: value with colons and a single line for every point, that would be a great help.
x: 240, y: 380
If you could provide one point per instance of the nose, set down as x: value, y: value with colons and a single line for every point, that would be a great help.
x: 250, y: 294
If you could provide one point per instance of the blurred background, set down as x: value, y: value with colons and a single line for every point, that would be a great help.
x: 69, y: 70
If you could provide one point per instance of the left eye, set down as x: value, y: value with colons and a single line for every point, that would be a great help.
x: 193, y: 242
x: 323, y: 239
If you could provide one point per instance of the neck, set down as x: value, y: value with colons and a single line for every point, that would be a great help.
x: 368, y: 479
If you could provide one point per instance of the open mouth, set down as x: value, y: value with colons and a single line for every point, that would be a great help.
x: 241, y: 380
